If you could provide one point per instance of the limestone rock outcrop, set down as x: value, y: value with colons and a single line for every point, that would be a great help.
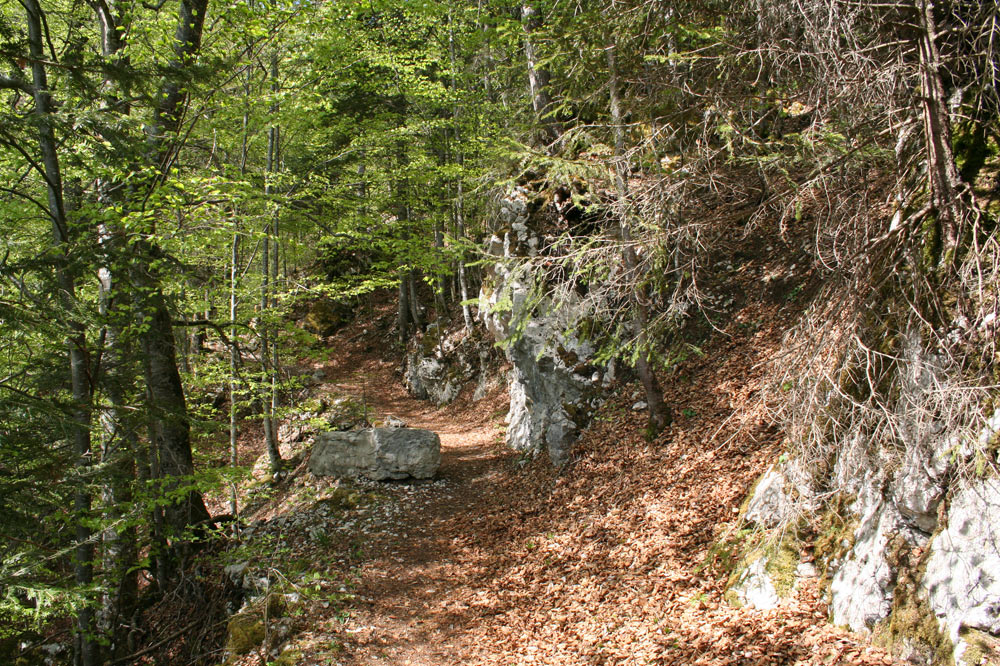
x: 962, y: 576
x: 555, y: 384
x: 918, y: 523
x: 443, y: 362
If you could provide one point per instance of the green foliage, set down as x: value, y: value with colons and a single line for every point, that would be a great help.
x: 31, y: 605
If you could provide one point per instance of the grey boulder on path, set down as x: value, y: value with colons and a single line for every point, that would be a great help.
x: 377, y: 453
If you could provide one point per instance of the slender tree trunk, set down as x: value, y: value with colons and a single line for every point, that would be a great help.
x: 403, y: 312
x: 274, y: 454
x: 269, y: 266
x: 440, y: 280
x: 538, y: 77
x: 457, y: 210
x: 235, y: 360
x: 659, y: 413
x: 463, y: 283
x: 119, y: 446
x: 159, y: 548
x: 234, y: 364
x: 408, y: 312
x: 270, y: 440
x: 944, y: 179
x: 411, y: 283
x: 122, y: 456
x: 85, y: 651
x: 185, y: 340
x: 120, y: 538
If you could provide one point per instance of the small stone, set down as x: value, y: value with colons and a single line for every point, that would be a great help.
x: 639, y: 406
x: 806, y: 570
x: 235, y: 571
x: 393, y: 422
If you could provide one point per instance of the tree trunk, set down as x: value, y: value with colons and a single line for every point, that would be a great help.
x: 85, y: 651
x: 403, y: 312
x: 463, y: 283
x: 269, y: 267
x: 659, y: 413
x: 538, y: 77
x: 122, y: 456
x: 411, y: 283
x: 441, y: 279
x: 169, y: 427
x: 274, y: 454
x: 944, y: 180
x: 457, y: 209
x: 234, y: 364
x: 119, y: 447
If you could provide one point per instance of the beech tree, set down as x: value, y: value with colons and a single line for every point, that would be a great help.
x: 61, y: 112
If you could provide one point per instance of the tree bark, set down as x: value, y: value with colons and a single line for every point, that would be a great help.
x: 234, y: 363
x: 441, y: 279
x: 457, y: 209
x: 122, y: 456
x: 944, y: 179
x: 119, y: 446
x: 411, y: 283
x: 463, y: 283
x: 170, y: 426
x: 403, y: 312
x: 269, y: 275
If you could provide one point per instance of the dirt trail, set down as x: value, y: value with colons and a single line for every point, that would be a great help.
x: 415, y: 574
x: 503, y: 562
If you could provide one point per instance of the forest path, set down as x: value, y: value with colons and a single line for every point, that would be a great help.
x: 414, y: 572
x: 612, y: 560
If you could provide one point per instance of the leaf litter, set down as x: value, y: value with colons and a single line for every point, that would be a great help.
x: 503, y: 562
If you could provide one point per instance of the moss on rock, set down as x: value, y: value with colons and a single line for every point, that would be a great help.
x: 288, y: 658
x: 782, y: 563
x: 244, y: 632
x: 982, y: 649
x: 912, y: 626
x: 835, y: 534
